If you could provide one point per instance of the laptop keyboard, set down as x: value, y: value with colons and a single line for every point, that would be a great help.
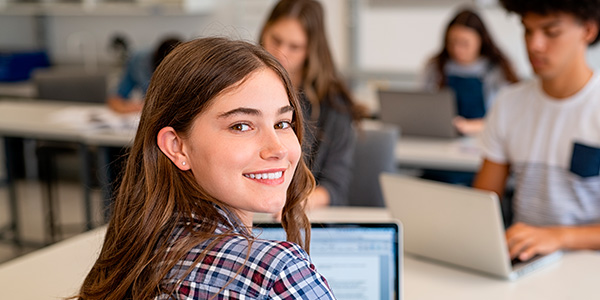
x: 516, y: 261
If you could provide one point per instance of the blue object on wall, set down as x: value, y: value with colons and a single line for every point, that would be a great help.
x: 18, y: 65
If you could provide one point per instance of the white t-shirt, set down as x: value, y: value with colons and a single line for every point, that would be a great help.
x: 553, y: 148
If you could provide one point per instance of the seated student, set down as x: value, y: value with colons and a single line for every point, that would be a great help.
x: 295, y: 34
x: 471, y: 64
x: 547, y: 132
x: 219, y: 139
x: 137, y: 75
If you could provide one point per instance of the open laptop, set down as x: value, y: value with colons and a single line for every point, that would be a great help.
x: 455, y: 225
x: 359, y: 260
x: 419, y: 113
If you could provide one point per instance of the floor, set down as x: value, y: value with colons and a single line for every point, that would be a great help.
x: 31, y: 213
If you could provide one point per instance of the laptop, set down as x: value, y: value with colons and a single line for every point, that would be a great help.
x: 419, y: 113
x: 455, y: 225
x: 359, y: 260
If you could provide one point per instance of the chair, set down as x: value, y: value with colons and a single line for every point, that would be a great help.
x: 374, y: 154
x: 63, y: 85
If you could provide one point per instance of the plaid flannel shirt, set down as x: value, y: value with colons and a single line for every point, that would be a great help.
x: 273, y: 270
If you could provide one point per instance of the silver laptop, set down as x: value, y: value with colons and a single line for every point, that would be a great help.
x: 419, y: 114
x: 455, y: 225
x: 359, y: 260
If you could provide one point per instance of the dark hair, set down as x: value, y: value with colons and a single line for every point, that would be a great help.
x: 155, y: 196
x: 470, y: 19
x: 320, y: 79
x: 583, y: 10
x: 163, y: 49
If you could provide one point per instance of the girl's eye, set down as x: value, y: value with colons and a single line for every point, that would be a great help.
x: 240, y: 127
x: 283, y: 125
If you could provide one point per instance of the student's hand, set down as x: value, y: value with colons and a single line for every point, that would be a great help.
x: 277, y: 216
x: 525, y: 241
x: 122, y: 106
x: 318, y: 198
x: 468, y: 126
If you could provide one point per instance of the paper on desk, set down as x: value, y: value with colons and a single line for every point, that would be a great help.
x: 95, y: 119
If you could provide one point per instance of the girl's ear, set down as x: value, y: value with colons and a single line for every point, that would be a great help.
x: 172, y: 146
x: 591, y: 31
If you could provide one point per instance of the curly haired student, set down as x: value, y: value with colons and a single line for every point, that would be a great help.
x: 546, y: 131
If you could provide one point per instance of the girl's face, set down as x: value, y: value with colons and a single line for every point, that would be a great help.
x: 242, y: 149
x: 287, y: 41
x: 463, y: 44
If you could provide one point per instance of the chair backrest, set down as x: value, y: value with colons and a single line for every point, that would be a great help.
x: 374, y: 154
x: 71, y: 85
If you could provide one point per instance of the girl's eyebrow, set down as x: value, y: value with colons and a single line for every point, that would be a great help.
x: 252, y: 111
x: 240, y: 111
x: 285, y: 109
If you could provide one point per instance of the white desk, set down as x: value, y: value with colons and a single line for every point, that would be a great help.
x: 34, y: 119
x: 30, y: 118
x: 53, y: 272
x: 60, y: 269
x: 575, y: 276
x: 18, y: 89
x: 460, y: 154
x: 454, y: 154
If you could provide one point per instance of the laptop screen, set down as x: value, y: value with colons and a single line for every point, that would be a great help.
x: 407, y: 108
x: 359, y: 260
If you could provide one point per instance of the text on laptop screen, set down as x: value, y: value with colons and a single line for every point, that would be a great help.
x: 358, y: 261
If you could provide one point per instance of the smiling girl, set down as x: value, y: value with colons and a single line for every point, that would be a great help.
x: 219, y: 139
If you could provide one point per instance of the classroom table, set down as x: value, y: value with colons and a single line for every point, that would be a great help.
x: 31, y: 118
x: 451, y: 154
x: 58, y: 271
x: 37, y: 119
x: 460, y: 154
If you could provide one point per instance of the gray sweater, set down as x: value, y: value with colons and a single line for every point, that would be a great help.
x: 329, y: 147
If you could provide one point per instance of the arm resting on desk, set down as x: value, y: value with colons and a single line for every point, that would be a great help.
x: 492, y: 177
x: 121, y: 105
x: 525, y: 240
x: 318, y: 198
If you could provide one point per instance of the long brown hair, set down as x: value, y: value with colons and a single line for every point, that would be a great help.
x: 155, y: 196
x: 320, y: 79
x: 470, y: 19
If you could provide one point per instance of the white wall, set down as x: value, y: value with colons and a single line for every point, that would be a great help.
x: 17, y: 32
x: 71, y: 38
x: 403, y: 38
x: 397, y: 38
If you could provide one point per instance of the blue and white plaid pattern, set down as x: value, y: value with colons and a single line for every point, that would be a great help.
x: 273, y: 270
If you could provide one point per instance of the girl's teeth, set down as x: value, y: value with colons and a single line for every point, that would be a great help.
x: 271, y: 176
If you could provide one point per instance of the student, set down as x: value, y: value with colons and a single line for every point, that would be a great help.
x: 547, y: 132
x: 137, y: 75
x: 295, y: 34
x: 471, y: 65
x: 219, y: 139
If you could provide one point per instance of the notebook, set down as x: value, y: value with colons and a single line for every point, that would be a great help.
x: 359, y: 260
x: 455, y: 225
x: 419, y: 114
